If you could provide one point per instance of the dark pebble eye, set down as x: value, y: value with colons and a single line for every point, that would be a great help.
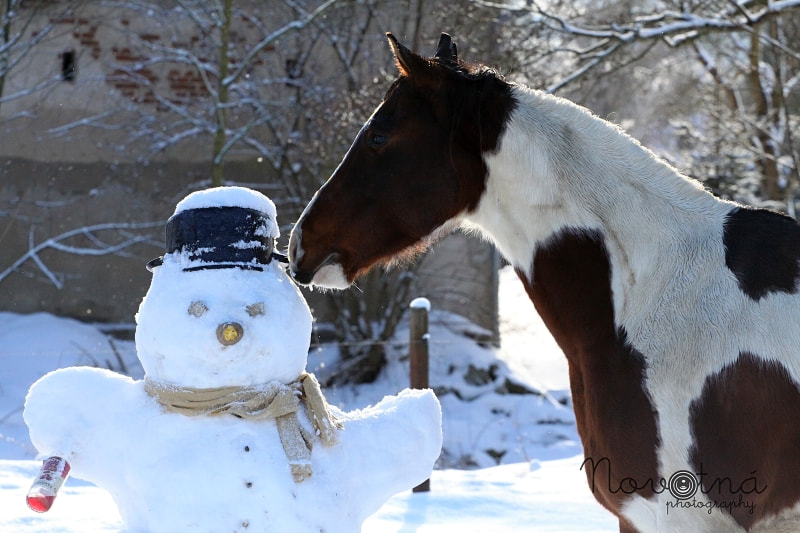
x: 197, y: 308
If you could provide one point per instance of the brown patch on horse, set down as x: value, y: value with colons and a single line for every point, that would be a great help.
x: 746, y: 443
x: 571, y: 290
x: 762, y: 249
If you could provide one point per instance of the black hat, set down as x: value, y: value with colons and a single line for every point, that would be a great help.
x: 221, y: 237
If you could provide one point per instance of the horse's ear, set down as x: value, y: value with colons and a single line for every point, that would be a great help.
x: 447, y: 49
x: 407, y: 61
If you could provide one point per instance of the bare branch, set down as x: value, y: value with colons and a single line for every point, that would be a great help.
x: 57, y: 243
x: 673, y: 28
x: 274, y: 36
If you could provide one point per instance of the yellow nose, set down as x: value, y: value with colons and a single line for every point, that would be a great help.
x: 229, y: 333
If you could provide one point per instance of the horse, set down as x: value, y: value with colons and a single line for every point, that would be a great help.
x: 678, y: 312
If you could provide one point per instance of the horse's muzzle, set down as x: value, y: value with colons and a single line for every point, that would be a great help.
x: 313, y: 267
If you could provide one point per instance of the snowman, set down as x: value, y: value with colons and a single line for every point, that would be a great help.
x: 227, y: 432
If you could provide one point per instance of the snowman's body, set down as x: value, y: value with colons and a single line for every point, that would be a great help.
x: 169, y: 472
x: 162, y: 484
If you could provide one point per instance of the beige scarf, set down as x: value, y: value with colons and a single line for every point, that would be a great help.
x: 263, y: 402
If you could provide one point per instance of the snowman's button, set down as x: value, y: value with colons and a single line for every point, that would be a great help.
x: 229, y: 333
x: 242, y: 446
x: 249, y: 484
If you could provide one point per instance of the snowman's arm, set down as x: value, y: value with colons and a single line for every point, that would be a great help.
x: 399, y: 440
x: 71, y: 411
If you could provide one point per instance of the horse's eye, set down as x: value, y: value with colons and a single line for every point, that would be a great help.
x: 377, y: 139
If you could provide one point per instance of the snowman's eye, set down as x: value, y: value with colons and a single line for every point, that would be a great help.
x: 197, y: 309
x: 255, y: 309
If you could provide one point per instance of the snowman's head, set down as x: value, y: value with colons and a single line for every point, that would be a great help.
x: 219, y: 312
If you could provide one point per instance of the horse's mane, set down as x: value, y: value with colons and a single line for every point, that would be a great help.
x: 471, y: 71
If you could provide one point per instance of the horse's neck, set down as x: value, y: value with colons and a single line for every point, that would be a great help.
x: 560, y: 167
x: 560, y: 170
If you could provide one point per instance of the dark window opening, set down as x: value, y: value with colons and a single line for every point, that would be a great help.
x: 68, y: 66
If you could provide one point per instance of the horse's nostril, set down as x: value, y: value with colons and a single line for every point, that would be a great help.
x: 229, y: 333
x: 303, y: 278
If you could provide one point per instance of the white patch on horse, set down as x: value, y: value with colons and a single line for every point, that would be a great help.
x: 330, y: 276
x: 656, y: 516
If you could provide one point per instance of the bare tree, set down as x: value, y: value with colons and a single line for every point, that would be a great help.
x: 98, y: 240
x: 745, y: 51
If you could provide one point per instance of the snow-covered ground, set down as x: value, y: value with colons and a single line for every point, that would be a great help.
x: 521, y: 449
x: 524, y: 497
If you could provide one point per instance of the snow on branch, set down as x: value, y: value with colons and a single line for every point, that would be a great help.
x: 269, y: 39
x: 674, y: 28
x: 99, y: 247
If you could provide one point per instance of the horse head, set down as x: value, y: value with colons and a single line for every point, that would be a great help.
x: 413, y: 169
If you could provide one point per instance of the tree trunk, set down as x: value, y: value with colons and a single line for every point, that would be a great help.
x: 767, y: 162
x: 217, y: 155
x: 4, y: 51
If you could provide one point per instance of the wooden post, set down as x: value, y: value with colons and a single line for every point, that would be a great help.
x: 418, y: 355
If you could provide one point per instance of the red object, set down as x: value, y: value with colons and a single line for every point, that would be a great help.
x: 51, y: 476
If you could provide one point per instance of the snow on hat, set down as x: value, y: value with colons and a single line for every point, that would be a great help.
x: 223, y: 227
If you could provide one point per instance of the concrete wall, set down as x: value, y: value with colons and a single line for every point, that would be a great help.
x: 41, y: 202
